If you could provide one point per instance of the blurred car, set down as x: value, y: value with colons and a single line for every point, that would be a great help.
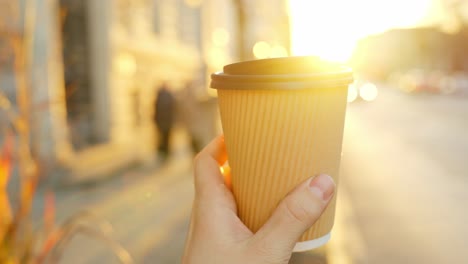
x: 433, y: 82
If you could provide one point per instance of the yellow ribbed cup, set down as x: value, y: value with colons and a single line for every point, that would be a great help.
x: 280, y: 131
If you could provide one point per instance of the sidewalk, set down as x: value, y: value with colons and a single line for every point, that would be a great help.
x: 149, y: 209
x: 100, y: 163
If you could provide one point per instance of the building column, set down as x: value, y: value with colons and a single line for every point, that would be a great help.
x: 99, y: 13
x: 49, y: 122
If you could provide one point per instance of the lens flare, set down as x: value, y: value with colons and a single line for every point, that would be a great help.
x: 368, y: 92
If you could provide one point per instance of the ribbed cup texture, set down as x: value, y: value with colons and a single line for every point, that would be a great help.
x: 275, y: 140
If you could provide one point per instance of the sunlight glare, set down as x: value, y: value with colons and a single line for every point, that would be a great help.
x: 330, y: 29
x: 278, y: 51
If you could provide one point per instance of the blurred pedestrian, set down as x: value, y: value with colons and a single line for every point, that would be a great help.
x: 164, y: 118
x: 191, y: 113
x: 216, y: 233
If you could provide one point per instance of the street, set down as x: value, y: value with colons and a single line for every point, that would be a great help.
x: 402, y: 192
x: 405, y: 173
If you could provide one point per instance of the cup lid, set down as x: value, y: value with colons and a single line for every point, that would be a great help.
x: 282, y: 73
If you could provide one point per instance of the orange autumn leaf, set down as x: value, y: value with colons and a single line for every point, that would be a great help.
x: 5, y: 162
x: 4, y: 173
x: 5, y: 170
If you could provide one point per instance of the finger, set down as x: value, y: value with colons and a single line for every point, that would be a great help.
x: 214, y: 202
x: 207, y: 165
x: 296, y: 213
x: 226, y: 171
x: 216, y: 149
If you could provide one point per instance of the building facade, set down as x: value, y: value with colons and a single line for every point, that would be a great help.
x: 97, y: 65
x: 133, y: 47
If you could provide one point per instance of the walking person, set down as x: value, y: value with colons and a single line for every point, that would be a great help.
x: 164, y: 118
x: 192, y: 116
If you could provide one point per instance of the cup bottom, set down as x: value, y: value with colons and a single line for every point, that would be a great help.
x: 311, y: 244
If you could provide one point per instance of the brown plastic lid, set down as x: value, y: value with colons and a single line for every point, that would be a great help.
x: 283, y: 73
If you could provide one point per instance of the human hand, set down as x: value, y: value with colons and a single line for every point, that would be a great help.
x: 217, y: 235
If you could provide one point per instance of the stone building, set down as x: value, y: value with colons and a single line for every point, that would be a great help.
x: 127, y: 50
x: 97, y: 65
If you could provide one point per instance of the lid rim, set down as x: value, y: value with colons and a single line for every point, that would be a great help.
x: 298, y: 85
x: 282, y: 73
x: 274, y: 78
x: 285, y: 65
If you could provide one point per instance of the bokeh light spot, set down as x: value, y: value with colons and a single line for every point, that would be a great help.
x: 261, y: 50
x: 368, y: 91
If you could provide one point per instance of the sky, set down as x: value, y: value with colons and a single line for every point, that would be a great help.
x: 331, y: 28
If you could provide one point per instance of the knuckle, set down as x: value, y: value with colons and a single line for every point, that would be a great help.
x: 294, y: 212
x: 300, y: 212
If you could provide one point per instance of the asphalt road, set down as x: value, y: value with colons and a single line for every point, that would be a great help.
x: 402, y: 194
x: 405, y: 175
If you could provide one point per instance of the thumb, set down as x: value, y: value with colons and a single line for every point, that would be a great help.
x: 298, y: 211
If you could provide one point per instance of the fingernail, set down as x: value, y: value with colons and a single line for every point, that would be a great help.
x: 322, y: 186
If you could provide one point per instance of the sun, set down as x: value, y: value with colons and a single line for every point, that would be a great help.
x: 330, y: 29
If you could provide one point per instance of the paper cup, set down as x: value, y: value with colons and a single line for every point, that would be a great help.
x: 283, y: 123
